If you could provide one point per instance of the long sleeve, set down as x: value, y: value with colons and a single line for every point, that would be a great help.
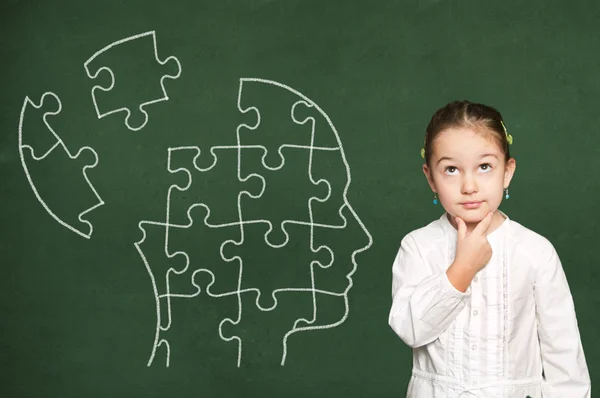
x: 565, y: 369
x: 424, y: 302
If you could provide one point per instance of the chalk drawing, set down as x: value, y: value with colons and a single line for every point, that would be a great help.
x: 301, y: 324
x: 87, y: 232
x: 165, y: 97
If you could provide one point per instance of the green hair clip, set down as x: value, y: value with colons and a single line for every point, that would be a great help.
x: 508, y: 136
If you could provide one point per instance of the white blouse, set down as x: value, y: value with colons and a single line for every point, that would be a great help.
x: 514, y: 321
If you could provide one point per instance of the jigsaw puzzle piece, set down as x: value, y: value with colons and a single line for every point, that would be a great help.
x: 177, y: 259
x: 163, y: 265
x: 327, y: 163
x: 272, y: 123
x: 328, y: 167
x: 132, y: 78
x: 210, y: 273
x: 333, y: 281
x: 329, y: 311
x: 261, y: 334
x: 346, y: 244
x: 269, y: 269
x: 213, y: 180
x: 324, y: 135
x: 187, y: 326
x: 194, y: 339
x: 287, y: 194
x: 37, y: 137
x: 67, y: 195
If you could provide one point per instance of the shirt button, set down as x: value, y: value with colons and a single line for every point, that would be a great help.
x: 475, y: 278
x: 475, y: 312
x: 474, y: 382
x: 473, y: 347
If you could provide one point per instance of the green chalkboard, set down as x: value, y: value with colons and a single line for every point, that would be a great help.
x: 204, y: 199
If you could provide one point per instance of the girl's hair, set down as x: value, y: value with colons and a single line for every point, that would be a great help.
x: 482, y: 118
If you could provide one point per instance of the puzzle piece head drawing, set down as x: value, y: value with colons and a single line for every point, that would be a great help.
x: 301, y: 190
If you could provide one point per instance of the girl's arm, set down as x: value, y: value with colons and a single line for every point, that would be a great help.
x: 424, y: 302
x: 565, y: 370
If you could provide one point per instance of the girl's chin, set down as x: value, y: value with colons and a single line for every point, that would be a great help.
x: 472, y: 214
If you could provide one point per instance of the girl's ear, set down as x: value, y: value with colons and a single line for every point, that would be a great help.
x: 428, y: 176
x: 509, y: 170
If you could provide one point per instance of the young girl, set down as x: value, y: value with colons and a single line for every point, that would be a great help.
x: 482, y: 300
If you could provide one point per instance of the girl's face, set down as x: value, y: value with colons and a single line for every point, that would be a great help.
x: 468, y: 167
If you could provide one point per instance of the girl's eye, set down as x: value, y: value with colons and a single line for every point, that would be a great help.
x: 488, y: 166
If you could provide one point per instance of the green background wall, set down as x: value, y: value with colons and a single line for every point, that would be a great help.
x: 78, y: 316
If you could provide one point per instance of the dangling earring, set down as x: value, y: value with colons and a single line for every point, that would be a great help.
x: 435, y: 198
x: 507, y: 196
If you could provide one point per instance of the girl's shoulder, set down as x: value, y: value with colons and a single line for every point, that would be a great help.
x: 524, y: 242
x: 527, y: 239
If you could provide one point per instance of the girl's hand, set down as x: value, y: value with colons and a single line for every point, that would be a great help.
x: 474, y: 250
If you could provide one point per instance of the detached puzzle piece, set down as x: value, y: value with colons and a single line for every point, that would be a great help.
x: 214, y: 180
x: 138, y: 79
x: 261, y: 334
x: 67, y: 197
x: 271, y: 270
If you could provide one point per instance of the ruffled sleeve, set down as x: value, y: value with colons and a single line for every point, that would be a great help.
x: 565, y: 369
